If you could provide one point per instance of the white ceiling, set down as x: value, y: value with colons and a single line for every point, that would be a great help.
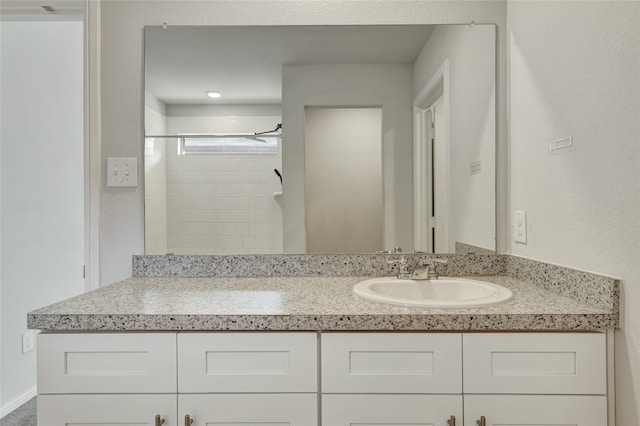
x: 245, y: 63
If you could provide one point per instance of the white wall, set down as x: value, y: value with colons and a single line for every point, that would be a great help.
x: 348, y: 86
x: 470, y: 52
x: 222, y: 204
x: 122, y: 93
x: 573, y: 71
x: 42, y: 184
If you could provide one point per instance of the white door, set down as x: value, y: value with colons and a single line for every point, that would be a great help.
x: 535, y: 410
x: 107, y: 410
x: 248, y: 409
x: 439, y: 189
x: 431, y: 179
x: 388, y: 410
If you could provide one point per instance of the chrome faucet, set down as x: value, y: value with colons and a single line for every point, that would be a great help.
x: 425, y: 269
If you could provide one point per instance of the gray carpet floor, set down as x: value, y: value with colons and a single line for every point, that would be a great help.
x: 22, y: 416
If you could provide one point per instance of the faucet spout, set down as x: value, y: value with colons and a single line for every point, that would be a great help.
x: 426, y: 269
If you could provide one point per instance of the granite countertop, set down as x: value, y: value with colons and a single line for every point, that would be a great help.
x: 301, y: 303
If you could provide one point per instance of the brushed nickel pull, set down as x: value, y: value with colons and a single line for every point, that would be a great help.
x: 188, y: 420
x: 159, y: 421
x: 452, y: 421
x: 482, y: 421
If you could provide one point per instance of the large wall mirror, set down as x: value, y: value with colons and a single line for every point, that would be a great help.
x: 320, y: 139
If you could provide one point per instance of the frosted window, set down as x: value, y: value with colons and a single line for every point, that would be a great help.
x: 229, y: 145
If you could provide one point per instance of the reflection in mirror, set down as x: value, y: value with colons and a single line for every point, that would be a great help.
x: 387, y: 139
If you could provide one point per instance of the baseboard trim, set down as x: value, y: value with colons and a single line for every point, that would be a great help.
x: 18, y: 401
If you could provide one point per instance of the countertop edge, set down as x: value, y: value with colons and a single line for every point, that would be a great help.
x: 408, y: 322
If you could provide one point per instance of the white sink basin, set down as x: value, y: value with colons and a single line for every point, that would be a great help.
x: 437, y: 293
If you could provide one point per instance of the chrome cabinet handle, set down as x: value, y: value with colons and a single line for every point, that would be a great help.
x: 188, y: 420
x: 452, y: 421
x: 159, y: 420
x: 482, y: 421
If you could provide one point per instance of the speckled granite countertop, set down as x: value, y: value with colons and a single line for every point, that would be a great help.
x: 301, y: 303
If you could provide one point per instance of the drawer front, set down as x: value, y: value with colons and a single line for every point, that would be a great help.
x: 250, y: 409
x: 391, y: 363
x: 106, y: 363
x: 414, y: 410
x: 247, y: 362
x: 538, y: 410
x: 543, y: 363
x: 106, y: 410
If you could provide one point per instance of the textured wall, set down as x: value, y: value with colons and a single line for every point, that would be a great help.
x: 579, y: 77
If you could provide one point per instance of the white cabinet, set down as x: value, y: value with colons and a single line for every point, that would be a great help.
x: 391, y: 409
x: 248, y: 378
x: 535, y: 363
x: 82, y: 363
x: 249, y: 409
x: 267, y: 378
x: 535, y: 378
x: 107, y: 410
x: 538, y: 410
x: 391, y: 363
x: 247, y: 362
x: 391, y: 378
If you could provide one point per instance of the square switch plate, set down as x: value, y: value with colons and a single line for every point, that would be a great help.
x: 122, y: 172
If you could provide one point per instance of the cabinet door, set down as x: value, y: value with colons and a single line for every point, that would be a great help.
x: 106, y: 410
x: 247, y: 362
x: 387, y: 410
x: 249, y: 409
x: 99, y: 363
x: 391, y: 363
x: 538, y: 410
x: 535, y: 363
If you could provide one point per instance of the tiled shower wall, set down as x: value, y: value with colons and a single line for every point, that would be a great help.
x: 223, y: 204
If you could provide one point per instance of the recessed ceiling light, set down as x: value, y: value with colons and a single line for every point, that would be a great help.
x: 214, y: 94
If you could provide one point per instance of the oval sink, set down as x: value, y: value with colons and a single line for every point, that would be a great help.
x: 437, y: 293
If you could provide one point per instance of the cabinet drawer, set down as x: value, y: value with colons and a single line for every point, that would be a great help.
x: 247, y: 362
x: 102, y: 410
x: 250, y: 409
x: 535, y: 363
x: 106, y: 363
x: 539, y: 410
x: 415, y: 410
x: 391, y: 363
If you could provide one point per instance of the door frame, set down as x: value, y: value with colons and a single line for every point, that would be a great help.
x: 438, y: 85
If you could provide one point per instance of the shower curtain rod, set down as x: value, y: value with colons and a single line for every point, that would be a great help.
x: 219, y: 135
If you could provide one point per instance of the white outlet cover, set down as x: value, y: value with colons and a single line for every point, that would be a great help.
x: 520, y: 226
x: 28, y: 343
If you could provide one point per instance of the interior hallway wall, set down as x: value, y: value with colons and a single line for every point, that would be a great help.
x: 42, y: 169
x: 350, y: 85
x: 472, y: 134
x: 122, y: 25
x: 580, y: 77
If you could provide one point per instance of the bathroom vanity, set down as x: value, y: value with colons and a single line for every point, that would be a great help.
x: 303, y: 350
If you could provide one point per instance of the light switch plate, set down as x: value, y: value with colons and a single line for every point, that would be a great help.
x: 122, y: 172
x: 520, y: 226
